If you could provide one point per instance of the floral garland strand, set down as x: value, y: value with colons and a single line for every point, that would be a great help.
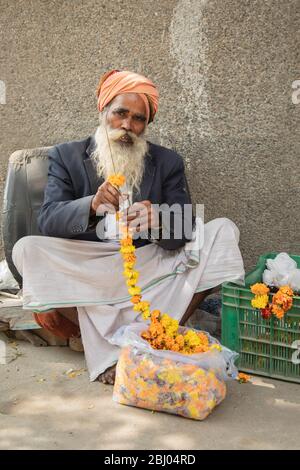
x: 163, y: 331
x: 282, y: 301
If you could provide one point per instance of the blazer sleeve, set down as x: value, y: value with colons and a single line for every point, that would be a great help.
x: 62, y: 215
x: 177, y: 223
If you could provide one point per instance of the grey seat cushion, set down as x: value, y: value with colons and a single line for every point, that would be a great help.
x: 23, y: 196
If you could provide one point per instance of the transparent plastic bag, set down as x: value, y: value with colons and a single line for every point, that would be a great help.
x: 282, y: 270
x: 189, y: 385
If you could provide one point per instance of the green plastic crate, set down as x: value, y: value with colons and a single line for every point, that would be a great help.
x: 265, y: 346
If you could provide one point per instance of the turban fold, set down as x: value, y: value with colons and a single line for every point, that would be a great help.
x: 117, y: 82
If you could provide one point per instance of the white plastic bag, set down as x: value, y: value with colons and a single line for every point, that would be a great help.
x: 281, y: 271
x: 7, y: 281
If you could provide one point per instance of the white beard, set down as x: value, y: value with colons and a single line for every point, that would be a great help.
x: 129, y: 160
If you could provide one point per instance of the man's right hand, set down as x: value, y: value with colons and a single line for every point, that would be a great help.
x: 106, y: 199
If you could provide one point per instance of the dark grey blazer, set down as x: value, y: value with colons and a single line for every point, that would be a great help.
x: 73, y: 181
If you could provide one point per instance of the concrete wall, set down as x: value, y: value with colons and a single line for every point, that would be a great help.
x: 224, y: 69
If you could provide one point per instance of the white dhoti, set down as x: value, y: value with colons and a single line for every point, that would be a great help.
x: 88, y: 275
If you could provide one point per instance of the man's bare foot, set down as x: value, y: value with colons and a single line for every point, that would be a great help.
x: 76, y: 344
x: 108, y: 376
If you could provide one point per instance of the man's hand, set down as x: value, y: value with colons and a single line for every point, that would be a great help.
x: 141, y: 216
x: 106, y: 199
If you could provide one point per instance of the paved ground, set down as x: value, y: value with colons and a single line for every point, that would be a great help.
x: 42, y: 408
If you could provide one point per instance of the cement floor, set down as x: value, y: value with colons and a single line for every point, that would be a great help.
x: 42, y: 408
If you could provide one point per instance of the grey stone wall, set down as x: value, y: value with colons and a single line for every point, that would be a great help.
x: 224, y: 69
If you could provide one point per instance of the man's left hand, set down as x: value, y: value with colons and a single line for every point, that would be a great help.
x: 141, y: 216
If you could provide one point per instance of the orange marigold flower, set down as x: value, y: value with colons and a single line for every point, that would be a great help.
x: 242, y: 378
x: 286, y: 290
x: 259, y: 289
x: 156, y: 329
x: 127, y: 241
x: 180, y: 340
x: 117, y: 180
x: 136, y: 299
x: 277, y: 311
x: 169, y: 342
x: 129, y: 257
x: 155, y: 314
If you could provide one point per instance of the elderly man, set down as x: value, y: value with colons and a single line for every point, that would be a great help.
x: 75, y: 284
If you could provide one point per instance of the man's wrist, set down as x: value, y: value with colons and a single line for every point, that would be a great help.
x: 92, y: 210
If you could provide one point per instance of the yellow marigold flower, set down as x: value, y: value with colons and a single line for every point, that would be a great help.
x: 134, y: 290
x: 141, y: 306
x: 165, y: 320
x: 131, y: 282
x: 129, y: 265
x: 216, y: 346
x: 127, y: 273
x: 191, y: 338
x: 171, y: 330
x: 145, y: 305
x: 130, y: 274
x: 259, y: 289
x: 117, y: 180
x: 146, y: 314
x: 260, y: 301
x: 127, y: 250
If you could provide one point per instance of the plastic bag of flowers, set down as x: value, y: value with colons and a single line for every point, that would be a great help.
x: 189, y: 385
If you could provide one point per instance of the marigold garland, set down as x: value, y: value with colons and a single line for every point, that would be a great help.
x: 282, y: 301
x: 163, y: 331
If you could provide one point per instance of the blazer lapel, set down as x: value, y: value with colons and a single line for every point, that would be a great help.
x: 147, y: 181
x: 94, y: 179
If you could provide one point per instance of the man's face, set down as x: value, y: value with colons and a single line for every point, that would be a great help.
x: 127, y: 112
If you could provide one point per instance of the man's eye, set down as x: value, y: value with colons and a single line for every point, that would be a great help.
x: 120, y: 113
x: 140, y: 118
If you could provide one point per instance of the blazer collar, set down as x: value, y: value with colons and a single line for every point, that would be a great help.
x: 96, y: 181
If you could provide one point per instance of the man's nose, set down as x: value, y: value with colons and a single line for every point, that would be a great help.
x: 126, y: 124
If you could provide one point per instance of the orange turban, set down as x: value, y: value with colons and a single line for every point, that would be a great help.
x: 117, y: 82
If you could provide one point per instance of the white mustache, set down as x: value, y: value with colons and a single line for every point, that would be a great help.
x: 116, y: 134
